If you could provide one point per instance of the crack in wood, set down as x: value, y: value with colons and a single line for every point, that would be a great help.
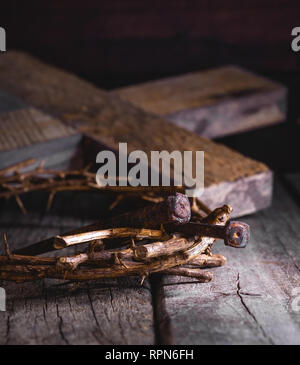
x: 60, y: 326
x: 95, y: 317
x: 161, y: 318
x: 252, y: 317
x: 7, y: 329
x: 240, y: 295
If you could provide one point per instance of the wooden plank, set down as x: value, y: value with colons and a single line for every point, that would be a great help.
x: 250, y: 300
x: 212, y: 103
x: 109, y: 313
x: 29, y: 126
x: 47, y: 312
x: 26, y: 132
x: 106, y: 120
x: 29, y: 133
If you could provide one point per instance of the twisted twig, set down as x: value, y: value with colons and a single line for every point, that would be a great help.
x: 15, y: 182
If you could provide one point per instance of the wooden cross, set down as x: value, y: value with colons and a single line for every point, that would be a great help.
x: 53, y: 115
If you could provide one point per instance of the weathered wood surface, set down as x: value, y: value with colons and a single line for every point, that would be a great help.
x: 29, y: 133
x: 250, y: 300
x: 26, y: 132
x: 253, y: 299
x: 46, y: 312
x: 212, y: 103
x: 106, y: 120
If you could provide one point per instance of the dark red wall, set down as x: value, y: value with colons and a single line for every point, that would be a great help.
x: 118, y: 42
x: 121, y: 42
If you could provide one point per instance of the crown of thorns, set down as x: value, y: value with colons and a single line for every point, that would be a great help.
x: 172, y: 235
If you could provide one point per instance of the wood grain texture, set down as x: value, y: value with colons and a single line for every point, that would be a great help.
x: 193, y: 90
x: 106, y: 120
x: 26, y: 132
x: 106, y: 314
x: 250, y: 299
x: 212, y: 103
x: 47, y: 312
x: 29, y: 126
x: 29, y: 133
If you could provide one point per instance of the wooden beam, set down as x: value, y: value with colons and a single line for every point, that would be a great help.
x: 212, y: 103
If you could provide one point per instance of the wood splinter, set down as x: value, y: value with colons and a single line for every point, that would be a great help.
x: 7, y: 251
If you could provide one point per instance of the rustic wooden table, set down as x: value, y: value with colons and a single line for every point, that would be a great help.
x: 252, y: 300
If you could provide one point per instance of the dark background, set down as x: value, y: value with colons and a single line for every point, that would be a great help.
x: 121, y: 42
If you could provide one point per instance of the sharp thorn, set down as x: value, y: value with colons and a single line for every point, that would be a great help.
x: 7, y: 251
x: 20, y: 204
x: 143, y: 279
x: 133, y: 245
x: 50, y: 200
